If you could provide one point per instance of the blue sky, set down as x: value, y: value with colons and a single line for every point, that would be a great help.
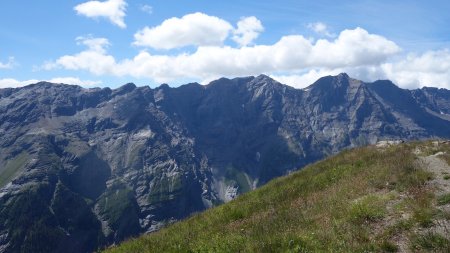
x: 95, y: 43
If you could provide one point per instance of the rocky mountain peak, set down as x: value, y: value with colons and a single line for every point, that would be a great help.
x: 343, y: 75
x: 334, y: 91
x: 263, y: 78
x: 340, y: 81
x: 126, y: 88
x: 266, y: 83
x: 164, y: 86
x: 42, y: 84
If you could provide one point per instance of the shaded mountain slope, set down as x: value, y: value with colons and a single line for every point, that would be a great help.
x: 134, y: 159
x: 372, y: 199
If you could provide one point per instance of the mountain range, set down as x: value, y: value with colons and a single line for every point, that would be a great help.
x: 85, y: 168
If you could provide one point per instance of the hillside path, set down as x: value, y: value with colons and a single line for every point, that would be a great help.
x: 439, y: 168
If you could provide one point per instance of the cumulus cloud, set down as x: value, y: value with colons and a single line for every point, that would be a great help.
x: 93, y: 44
x: 13, y: 83
x: 195, y: 29
x: 321, y: 29
x: 431, y: 68
x: 198, y: 29
x: 114, y: 10
x: 353, y: 48
x: 8, y: 65
x: 94, y: 58
x: 301, y: 60
x: 248, y: 29
x: 304, y: 79
x: 74, y: 81
x: 147, y: 8
x: 291, y: 53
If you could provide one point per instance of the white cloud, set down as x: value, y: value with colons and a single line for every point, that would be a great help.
x: 291, y: 53
x: 8, y: 65
x: 248, y: 29
x: 321, y: 29
x: 353, y: 48
x: 303, y: 80
x: 114, y: 10
x: 147, y: 9
x: 431, y: 68
x: 93, y: 59
x: 362, y: 55
x: 13, y: 83
x: 74, y: 81
x: 93, y: 44
x: 195, y: 29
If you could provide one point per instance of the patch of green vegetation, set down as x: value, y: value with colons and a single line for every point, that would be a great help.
x: 430, y: 242
x: 165, y: 188
x: 446, y: 177
x: 336, y: 205
x: 387, y: 246
x: 13, y: 168
x: 119, y: 208
x: 413, y: 176
x: 399, y: 227
x: 29, y: 223
x: 421, y: 205
x: 443, y: 199
x: 114, y: 203
x: 369, y: 208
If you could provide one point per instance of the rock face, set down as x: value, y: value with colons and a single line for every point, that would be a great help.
x: 84, y: 168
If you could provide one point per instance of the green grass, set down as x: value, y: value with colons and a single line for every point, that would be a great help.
x: 423, y: 211
x: 166, y: 188
x: 370, y: 208
x: 114, y: 203
x: 388, y: 246
x: 12, y: 168
x: 430, y: 242
x: 336, y: 205
x: 443, y: 199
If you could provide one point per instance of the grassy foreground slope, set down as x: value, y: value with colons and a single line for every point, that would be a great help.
x: 368, y: 199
